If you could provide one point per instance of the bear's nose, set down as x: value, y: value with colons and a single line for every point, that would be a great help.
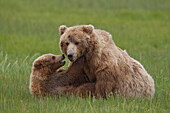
x: 63, y: 56
x: 70, y: 57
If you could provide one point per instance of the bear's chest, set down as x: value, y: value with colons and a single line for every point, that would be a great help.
x: 89, y: 72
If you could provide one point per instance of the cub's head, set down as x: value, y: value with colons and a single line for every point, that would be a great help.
x: 48, y: 63
x: 74, y: 41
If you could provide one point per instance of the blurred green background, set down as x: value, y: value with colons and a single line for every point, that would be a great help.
x: 29, y: 28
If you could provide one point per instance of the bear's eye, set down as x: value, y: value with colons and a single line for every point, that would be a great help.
x: 53, y: 57
x: 61, y: 44
x: 76, y: 43
x: 67, y: 43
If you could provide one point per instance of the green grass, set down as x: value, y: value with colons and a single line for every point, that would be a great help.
x: 29, y: 28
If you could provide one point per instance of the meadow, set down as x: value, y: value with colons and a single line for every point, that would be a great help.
x: 29, y: 28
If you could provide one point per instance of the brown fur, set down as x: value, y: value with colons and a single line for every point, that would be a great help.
x: 106, y: 65
x: 46, y: 80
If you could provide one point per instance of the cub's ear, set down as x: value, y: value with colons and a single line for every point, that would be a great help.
x: 37, y: 64
x: 88, y: 29
x: 62, y: 29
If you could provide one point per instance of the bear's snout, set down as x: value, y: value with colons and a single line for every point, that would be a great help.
x: 63, y: 56
x: 70, y: 56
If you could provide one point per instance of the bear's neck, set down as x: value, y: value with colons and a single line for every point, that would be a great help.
x: 98, y: 53
x: 93, y: 47
x: 92, y: 58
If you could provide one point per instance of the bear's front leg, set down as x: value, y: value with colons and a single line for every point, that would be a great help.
x: 85, y: 90
x: 105, y: 83
x: 102, y: 88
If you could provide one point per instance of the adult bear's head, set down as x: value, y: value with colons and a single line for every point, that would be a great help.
x: 74, y: 41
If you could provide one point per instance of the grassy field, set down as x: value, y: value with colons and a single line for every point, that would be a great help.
x: 29, y: 28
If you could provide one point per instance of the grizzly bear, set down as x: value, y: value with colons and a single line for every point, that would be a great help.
x: 106, y: 65
x: 46, y: 80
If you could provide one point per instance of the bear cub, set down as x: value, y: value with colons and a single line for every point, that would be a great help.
x: 46, y: 80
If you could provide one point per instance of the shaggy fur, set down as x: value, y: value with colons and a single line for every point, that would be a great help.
x: 106, y: 65
x: 46, y: 80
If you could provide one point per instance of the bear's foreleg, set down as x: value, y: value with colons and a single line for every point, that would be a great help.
x: 84, y: 90
x: 102, y: 88
x: 105, y: 83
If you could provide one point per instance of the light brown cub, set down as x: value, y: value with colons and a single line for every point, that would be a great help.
x: 46, y: 80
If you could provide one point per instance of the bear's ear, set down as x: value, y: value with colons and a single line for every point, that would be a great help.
x: 37, y: 64
x: 88, y: 29
x: 62, y: 29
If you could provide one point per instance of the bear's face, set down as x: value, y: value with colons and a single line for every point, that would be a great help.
x: 48, y: 63
x: 74, y: 41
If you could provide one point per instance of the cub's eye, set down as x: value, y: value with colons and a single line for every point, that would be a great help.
x: 61, y: 44
x: 76, y: 43
x: 67, y: 43
x: 53, y: 57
